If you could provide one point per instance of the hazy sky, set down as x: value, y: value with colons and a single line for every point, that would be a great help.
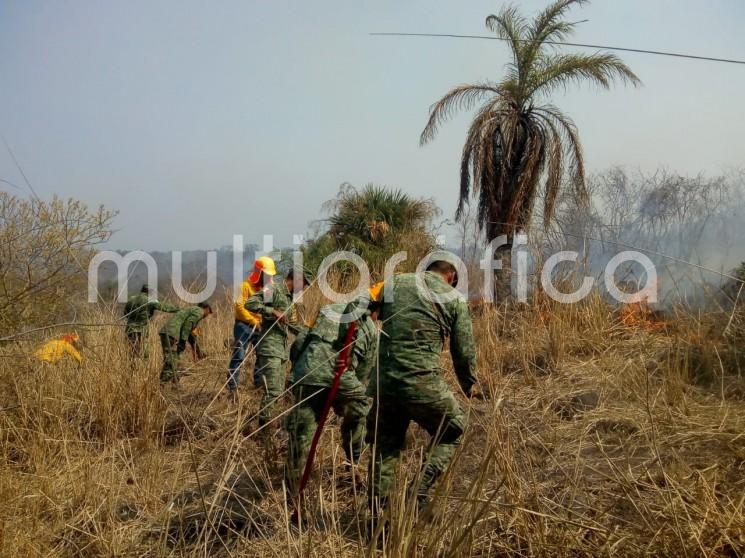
x: 197, y: 120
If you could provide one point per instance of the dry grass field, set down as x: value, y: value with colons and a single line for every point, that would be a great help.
x: 597, y: 436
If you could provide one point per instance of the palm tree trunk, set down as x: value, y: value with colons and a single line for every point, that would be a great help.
x: 503, y: 276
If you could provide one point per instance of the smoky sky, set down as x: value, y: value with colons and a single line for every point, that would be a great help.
x: 200, y: 120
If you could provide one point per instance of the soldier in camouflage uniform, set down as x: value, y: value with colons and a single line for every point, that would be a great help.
x: 139, y: 311
x: 273, y: 303
x: 174, y: 336
x: 313, y: 374
x: 409, y: 384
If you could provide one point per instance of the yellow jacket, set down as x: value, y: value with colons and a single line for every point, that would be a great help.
x: 248, y: 289
x: 55, y: 350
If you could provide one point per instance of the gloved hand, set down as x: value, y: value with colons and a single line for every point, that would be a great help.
x: 340, y: 362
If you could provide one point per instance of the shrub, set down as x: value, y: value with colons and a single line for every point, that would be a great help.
x: 375, y: 223
x: 45, y: 248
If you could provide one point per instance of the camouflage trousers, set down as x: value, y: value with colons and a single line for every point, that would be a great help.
x: 349, y: 404
x: 436, y: 410
x: 269, y: 375
x: 137, y: 340
x: 171, y: 356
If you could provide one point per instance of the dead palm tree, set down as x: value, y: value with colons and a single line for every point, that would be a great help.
x: 519, y: 146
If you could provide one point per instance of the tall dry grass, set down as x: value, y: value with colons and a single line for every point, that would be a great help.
x: 595, y: 439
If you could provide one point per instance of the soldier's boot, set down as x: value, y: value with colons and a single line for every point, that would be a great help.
x: 352, y: 451
x: 264, y: 425
x: 377, y: 526
x: 430, y: 474
x: 268, y: 437
x: 299, y: 520
x: 351, y: 469
x: 247, y: 427
x: 294, y: 502
x: 351, y: 476
x: 166, y: 376
x: 169, y: 371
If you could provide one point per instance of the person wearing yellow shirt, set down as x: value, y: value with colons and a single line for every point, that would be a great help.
x: 247, y: 326
x: 54, y: 350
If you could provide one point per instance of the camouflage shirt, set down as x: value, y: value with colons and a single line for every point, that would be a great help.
x: 414, y: 333
x: 182, y: 323
x: 140, y: 309
x: 274, y: 334
x: 316, y: 362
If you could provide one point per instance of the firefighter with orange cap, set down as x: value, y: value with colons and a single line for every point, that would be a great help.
x: 54, y: 350
x: 247, y: 325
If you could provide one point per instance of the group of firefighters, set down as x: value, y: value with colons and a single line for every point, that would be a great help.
x: 387, y: 376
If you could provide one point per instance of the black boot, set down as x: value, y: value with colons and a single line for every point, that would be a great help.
x: 377, y: 526
x: 430, y: 475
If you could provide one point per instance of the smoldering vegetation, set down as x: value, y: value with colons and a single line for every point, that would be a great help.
x: 689, y: 228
